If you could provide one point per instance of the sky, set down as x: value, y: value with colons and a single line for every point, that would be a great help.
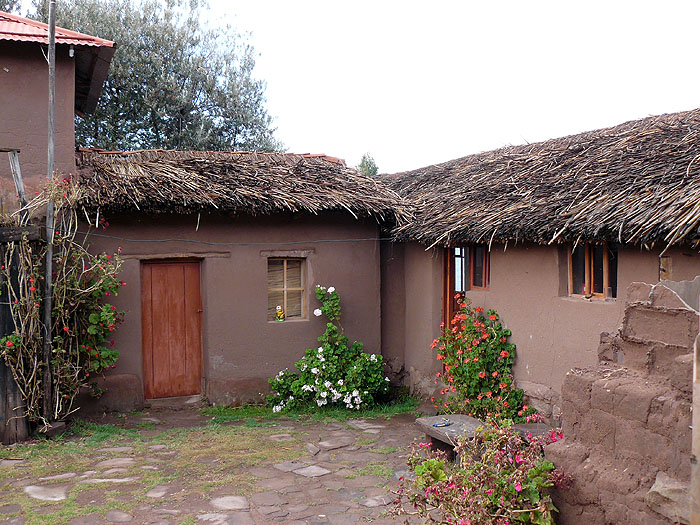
x: 419, y: 83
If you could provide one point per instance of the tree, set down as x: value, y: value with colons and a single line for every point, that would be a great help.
x: 367, y: 165
x: 10, y: 5
x: 173, y: 83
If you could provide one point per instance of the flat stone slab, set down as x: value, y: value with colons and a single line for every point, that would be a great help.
x: 47, y: 493
x: 10, y: 462
x: 281, y: 437
x: 157, y: 447
x: 266, y: 498
x: 376, y: 501
x: 67, y: 475
x: 233, y: 518
x: 312, y: 449
x: 312, y: 471
x: 334, y: 443
x: 10, y: 509
x: 361, y: 424
x: 116, y: 462
x: 230, y: 503
x: 460, y: 425
x: 109, y: 480
x: 289, y: 466
x: 118, y: 450
x: 536, y: 429
x: 117, y: 516
x: 157, y: 492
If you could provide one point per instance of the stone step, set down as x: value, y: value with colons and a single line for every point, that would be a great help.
x: 174, y: 402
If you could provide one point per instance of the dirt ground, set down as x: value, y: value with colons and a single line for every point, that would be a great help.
x: 180, y: 466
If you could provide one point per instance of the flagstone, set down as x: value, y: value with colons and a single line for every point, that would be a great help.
x: 115, y: 449
x: 47, y: 492
x: 117, y: 516
x: 281, y: 437
x: 312, y: 471
x: 116, y: 462
x: 230, y: 503
x: 109, y: 480
x: 67, y: 475
x: 334, y: 443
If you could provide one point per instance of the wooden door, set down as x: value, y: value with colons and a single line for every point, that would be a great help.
x: 171, y: 311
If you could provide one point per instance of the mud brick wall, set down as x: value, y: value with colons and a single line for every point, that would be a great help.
x: 626, y: 422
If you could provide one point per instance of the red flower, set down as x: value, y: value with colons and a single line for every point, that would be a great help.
x: 492, y: 317
x: 488, y: 394
x: 482, y: 374
x: 65, y: 328
x: 495, y: 373
x: 457, y: 296
x: 10, y: 344
x: 504, y: 353
x: 476, y: 359
x: 502, y: 385
x: 32, y: 289
x: 485, y: 335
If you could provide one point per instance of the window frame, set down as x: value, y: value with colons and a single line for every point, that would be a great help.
x: 467, y: 255
x: 285, y: 288
x: 589, y: 272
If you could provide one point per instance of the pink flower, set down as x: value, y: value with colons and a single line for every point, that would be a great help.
x: 518, y: 487
x: 489, y: 492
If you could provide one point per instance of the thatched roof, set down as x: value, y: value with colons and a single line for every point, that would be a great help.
x: 638, y: 182
x: 158, y: 181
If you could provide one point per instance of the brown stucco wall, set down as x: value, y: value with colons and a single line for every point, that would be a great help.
x: 241, y: 350
x: 552, y: 332
x: 24, y: 114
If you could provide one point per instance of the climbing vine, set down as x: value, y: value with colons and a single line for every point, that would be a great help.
x: 82, y: 320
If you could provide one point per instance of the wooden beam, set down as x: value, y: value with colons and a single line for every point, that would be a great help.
x: 17, y: 178
x: 16, y: 233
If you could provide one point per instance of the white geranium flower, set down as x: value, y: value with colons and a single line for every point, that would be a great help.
x: 324, y: 394
x: 307, y: 388
x: 321, y: 359
x: 314, y: 370
x: 386, y: 379
x: 328, y: 384
x: 317, y: 312
x: 340, y: 382
x: 331, y: 289
x: 373, y: 357
x: 320, y: 349
x: 355, y: 393
x: 291, y: 398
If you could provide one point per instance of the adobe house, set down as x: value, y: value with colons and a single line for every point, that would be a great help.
x: 212, y: 243
x: 549, y: 235
x: 82, y: 62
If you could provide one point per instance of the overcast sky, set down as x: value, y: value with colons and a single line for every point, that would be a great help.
x: 418, y: 83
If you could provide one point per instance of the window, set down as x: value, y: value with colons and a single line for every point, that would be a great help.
x: 285, y: 287
x: 466, y: 268
x: 593, y: 270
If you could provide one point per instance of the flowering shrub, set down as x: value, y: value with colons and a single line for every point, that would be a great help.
x: 501, y: 479
x: 335, y: 373
x: 82, y: 322
x: 477, y: 361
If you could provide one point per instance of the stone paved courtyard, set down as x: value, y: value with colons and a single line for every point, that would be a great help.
x: 177, y: 467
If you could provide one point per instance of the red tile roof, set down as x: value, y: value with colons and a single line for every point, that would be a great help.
x: 13, y: 27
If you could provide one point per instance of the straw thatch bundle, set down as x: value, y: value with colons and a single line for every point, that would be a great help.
x: 158, y: 181
x: 638, y: 182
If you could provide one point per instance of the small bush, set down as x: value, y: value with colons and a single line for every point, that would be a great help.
x: 477, y: 360
x: 335, y: 373
x: 501, y: 479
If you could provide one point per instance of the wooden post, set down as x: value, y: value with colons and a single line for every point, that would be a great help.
x: 695, y: 443
x: 13, y: 423
x: 48, y: 276
x: 17, y: 178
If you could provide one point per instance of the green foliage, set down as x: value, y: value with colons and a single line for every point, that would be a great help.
x: 501, y: 478
x: 10, y: 6
x: 173, y: 83
x: 477, y: 362
x: 335, y: 373
x: 367, y: 166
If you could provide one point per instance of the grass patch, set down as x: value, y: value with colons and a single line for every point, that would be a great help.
x: 404, y: 404
x: 96, y: 434
x: 379, y: 469
x: 383, y: 450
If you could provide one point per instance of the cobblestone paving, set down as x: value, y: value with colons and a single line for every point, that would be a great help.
x: 342, y: 473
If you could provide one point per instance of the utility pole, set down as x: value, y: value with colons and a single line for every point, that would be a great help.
x: 48, y: 280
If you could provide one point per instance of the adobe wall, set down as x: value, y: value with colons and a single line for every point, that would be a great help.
x: 24, y: 106
x: 626, y: 422
x: 241, y: 349
x: 552, y: 331
x: 411, y: 313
